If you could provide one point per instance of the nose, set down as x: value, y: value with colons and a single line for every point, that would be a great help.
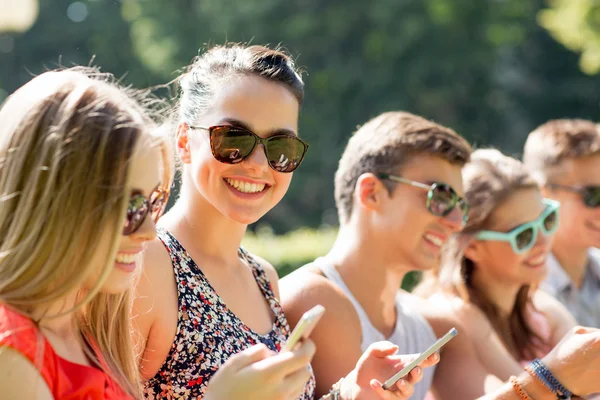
x: 542, y: 239
x: 146, y: 231
x: 454, y: 221
x: 258, y: 160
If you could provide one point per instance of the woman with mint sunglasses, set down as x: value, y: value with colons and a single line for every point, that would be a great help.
x: 489, y: 272
x: 523, y: 237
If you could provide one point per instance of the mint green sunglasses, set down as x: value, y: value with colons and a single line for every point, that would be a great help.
x: 523, y: 237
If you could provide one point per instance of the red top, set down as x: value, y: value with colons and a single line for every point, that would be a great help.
x: 66, y: 380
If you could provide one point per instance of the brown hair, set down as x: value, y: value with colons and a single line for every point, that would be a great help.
x: 489, y: 179
x: 66, y: 142
x: 385, y: 143
x: 557, y: 140
x: 221, y: 63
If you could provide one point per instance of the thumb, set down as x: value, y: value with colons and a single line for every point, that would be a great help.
x: 377, y: 387
x: 248, y: 357
x: 382, y: 349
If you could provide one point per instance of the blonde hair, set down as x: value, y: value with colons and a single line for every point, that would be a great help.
x: 489, y: 179
x: 66, y: 141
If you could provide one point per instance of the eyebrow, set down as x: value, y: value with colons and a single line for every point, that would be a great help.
x: 241, y: 124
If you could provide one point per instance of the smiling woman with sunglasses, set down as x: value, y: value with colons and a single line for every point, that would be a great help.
x: 203, y: 299
x: 492, y: 268
x: 83, y: 182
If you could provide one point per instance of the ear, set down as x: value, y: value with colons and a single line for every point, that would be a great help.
x: 473, y: 250
x: 369, y: 191
x: 182, y: 143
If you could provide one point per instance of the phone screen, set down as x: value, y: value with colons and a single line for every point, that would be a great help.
x: 435, y: 347
x: 304, y: 327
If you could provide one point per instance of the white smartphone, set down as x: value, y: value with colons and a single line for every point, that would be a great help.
x: 304, y: 327
x: 390, y: 383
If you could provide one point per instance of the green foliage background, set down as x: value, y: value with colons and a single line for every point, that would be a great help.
x: 491, y: 69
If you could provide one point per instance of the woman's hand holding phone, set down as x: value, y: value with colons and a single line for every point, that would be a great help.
x: 258, y: 373
x: 377, y: 364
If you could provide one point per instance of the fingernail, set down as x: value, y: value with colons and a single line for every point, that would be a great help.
x: 375, y: 383
x: 402, y: 383
x: 436, y: 356
x: 418, y: 370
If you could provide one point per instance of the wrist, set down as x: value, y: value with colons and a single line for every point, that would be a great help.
x: 534, y: 389
x: 335, y: 392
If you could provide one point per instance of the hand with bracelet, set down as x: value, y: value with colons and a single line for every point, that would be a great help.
x: 571, y: 369
x: 378, y: 363
x: 575, y: 361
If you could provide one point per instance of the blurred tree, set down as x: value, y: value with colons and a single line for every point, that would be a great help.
x: 485, y: 68
x: 69, y: 32
x: 576, y: 24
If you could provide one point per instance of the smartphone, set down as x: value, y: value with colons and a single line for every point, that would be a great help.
x: 390, y: 383
x: 304, y: 327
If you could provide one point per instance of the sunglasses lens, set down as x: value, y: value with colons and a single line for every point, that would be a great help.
x: 136, y: 213
x: 442, y: 200
x: 551, y: 222
x: 524, y: 238
x: 158, y: 204
x: 230, y: 145
x: 285, y: 153
x: 591, y: 196
x: 464, y: 208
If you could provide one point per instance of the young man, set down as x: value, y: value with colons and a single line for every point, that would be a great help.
x: 398, y: 192
x: 565, y: 156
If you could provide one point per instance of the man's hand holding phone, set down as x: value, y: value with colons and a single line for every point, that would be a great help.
x: 382, y: 374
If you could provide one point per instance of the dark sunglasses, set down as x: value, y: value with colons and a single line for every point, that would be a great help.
x: 232, y: 145
x: 589, y: 194
x: 441, y: 198
x: 140, y: 206
x: 524, y: 236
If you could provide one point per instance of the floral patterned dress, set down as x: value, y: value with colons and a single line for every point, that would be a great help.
x: 208, y: 333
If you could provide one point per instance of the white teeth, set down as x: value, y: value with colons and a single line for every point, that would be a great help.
x: 538, y: 260
x: 245, y: 187
x: 435, y: 240
x: 126, y: 258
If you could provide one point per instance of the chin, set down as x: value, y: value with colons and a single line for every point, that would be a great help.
x: 245, y: 216
x: 117, y: 283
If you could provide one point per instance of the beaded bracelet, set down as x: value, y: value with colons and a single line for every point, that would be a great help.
x: 518, y: 388
x: 540, y: 379
x: 549, y: 380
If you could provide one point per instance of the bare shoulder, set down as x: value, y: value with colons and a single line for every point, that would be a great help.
x: 445, y: 311
x: 306, y: 287
x: 559, y: 317
x: 339, y: 328
x: 270, y: 271
x: 155, y: 308
x: 19, y: 379
x: 156, y: 271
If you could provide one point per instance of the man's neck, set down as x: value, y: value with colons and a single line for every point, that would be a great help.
x: 373, y: 280
x: 573, y: 260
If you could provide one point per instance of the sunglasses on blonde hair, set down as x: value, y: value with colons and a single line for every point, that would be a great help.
x: 140, y: 206
x: 233, y: 144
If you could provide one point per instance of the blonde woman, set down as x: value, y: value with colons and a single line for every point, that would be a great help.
x: 82, y: 182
